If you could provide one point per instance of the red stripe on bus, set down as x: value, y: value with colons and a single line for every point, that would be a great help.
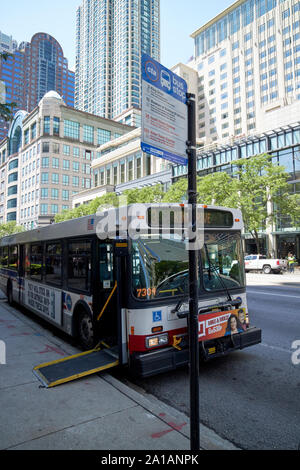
x: 137, y: 343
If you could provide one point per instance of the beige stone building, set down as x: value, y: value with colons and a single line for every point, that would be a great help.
x: 47, y: 159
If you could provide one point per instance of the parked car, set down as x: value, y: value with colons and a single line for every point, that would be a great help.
x: 262, y: 263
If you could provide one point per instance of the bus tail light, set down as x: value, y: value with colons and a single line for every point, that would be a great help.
x: 155, y: 341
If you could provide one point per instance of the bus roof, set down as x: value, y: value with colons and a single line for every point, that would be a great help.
x: 92, y: 224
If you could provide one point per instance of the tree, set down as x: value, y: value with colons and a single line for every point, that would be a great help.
x: 147, y: 195
x: 262, y: 192
x: 110, y: 199
x: 6, y: 109
x: 133, y: 196
x: 258, y: 188
x: 177, y: 192
x: 216, y: 189
x: 10, y: 228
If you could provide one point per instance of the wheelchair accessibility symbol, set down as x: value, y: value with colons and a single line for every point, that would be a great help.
x: 156, y: 316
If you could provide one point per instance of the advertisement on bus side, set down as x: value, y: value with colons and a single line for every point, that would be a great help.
x: 219, y: 324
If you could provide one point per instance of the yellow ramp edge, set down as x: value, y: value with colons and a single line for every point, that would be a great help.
x: 74, y: 367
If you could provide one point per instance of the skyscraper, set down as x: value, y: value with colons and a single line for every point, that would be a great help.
x: 7, y: 43
x: 248, y: 64
x: 34, y: 69
x: 111, y: 35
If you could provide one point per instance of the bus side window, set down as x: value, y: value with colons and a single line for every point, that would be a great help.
x: 26, y: 260
x: 79, y: 265
x: 13, y: 257
x: 4, y: 257
x: 36, y: 262
x: 106, y: 263
x: 53, y: 261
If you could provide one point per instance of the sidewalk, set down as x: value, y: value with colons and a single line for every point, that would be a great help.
x: 286, y: 279
x: 93, y: 413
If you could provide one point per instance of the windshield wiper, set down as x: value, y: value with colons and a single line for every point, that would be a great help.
x: 215, y: 269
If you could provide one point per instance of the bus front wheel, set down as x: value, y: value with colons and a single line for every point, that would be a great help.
x: 86, y: 334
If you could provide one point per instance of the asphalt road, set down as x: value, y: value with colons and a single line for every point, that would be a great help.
x: 251, y: 397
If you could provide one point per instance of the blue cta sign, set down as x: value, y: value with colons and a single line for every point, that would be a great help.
x: 164, y: 112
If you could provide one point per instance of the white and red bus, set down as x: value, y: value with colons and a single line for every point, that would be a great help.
x: 132, y: 292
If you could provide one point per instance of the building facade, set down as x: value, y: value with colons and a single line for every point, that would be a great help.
x: 47, y: 158
x: 248, y: 64
x: 35, y: 68
x: 7, y: 43
x: 283, y: 144
x: 121, y: 165
x: 111, y: 35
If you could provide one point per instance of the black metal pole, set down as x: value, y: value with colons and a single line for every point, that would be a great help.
x: 193, y: 280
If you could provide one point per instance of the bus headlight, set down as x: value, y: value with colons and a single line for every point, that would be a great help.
x: 159, y: 340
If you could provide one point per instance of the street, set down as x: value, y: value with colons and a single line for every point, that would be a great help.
x: 250, y: 397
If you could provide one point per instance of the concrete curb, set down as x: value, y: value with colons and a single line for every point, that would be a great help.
x: 173, y: 420
x: 209, y: 440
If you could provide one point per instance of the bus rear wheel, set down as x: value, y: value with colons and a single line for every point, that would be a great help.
x: 86, y: 334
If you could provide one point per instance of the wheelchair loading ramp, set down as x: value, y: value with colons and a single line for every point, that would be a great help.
x: 77, y: 366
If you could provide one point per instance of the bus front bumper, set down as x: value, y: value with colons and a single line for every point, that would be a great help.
x: 160, y: 361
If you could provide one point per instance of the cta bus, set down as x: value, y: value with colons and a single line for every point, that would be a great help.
x: 132, y: 293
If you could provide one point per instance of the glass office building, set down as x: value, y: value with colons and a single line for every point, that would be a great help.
x: 283, y: 144
x: 111, y: 35
x: 248, y: 63
x: 33, y: 69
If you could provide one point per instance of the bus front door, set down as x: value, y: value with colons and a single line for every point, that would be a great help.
x: 106, y: 294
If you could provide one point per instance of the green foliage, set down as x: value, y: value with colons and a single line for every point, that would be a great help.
x: 133, y: 196
x: 216, y: 189
x: 258, y: 188
x: 10, y: 228
x: 262, y: 193
x: 177, y: 192
x: 145, y: 195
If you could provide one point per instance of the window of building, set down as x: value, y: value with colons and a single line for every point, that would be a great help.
x: 65, y: 180
x: 44, y: 193
x: 65, y: 194
x: 76, y: 152
x: 45, y: 147
x: 103, y: 136
x: 55, y: 147
x: 71, y: 129
x: 55, y: 178
x: 66, y: 164
x: 54, y: 193
x: 88, y: 134
x: 46, y: 125
x: 76, y: 166
x: 56, y: 124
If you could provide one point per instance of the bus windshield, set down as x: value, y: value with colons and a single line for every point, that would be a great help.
x: 160, y: 265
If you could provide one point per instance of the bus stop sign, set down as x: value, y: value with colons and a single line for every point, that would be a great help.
x: 164, y: 112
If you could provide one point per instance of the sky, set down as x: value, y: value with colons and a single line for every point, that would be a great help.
x: 179, y: 19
